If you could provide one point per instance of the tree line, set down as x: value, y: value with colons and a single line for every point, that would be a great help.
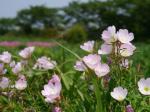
x: 81, y: 19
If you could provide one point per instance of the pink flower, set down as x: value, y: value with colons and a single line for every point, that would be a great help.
x: 119, y: 93
x: 102, y: 70
x: 27, y: 52
x: 2, y: 70
x: 21, y: 83
x: 52, y: 89
x: 88, y: 46
x: 17, y: 68
x: 5, y: 57
x: 125, y: 63
x: 57, y: 109
x: 4, y: 82
x: 124, y: 36
x: 105, y: 49
x: 12, y: 64
x: 127, y: 49
x: 144, y: 86
x: 92, y: 60
x: 79, y: 66
x: 1, y: 67
x: 45, y: 63
x: 109, y: 35
x: 129, y: 108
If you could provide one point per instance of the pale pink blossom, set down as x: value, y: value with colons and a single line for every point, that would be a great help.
x: 2, y: 70
x: 79, y: 66
x: 24, y: 62
x: 4, y: 82
x: 5, y: 57
x: 92, y: 60
x: 21, y: 83
x: 45, y: 63
x: 17, y: 68
x: 88, y: 46
x: 109, y: 35
x: 105, y: 49
x: 101, y: 70
x: 124, y: 36
x: 125, y: 63
x: 56, y: 109
x: 27, y: 52
x: 1, y: 67
x: 129, y: 108
x: 12, y: 64
x: 52, y: 89
x: 127, y: 50
x: 119, y: 93
x: 144, y: 86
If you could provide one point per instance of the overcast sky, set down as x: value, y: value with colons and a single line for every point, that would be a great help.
x: 9, y: 8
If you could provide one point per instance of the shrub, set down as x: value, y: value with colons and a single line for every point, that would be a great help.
x: 49, y: 32
x: 76, y: 34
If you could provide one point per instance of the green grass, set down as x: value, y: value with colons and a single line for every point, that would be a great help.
x: 27, y: 39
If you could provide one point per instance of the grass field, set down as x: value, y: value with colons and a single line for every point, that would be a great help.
x: 77, y: 98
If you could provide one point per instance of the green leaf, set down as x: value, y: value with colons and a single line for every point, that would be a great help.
x: 73, y: 53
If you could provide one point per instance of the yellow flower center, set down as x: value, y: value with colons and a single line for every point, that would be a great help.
x: 120, y: 98
x: 147, y: 89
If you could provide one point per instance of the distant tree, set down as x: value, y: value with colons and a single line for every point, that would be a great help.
x: 96, y: 15
x: 36, y: 17
x: 6, y: 25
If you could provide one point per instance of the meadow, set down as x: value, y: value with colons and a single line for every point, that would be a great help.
x: 77, y: 93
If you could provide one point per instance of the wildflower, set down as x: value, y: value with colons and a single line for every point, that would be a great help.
x: 12, y: 64
x: 45, y: 63
x: 24, y: 62
x: 88, y: 46
x: 129, y: 108
x: 125, y: 63
x: 144, y: 86
x: 101, y: 70
x: 52, y: 89
x: 17, y: 68
x: 4, y: 83
x: 92, y: 60
x: 21, y: 83
x: 56, y: 109
x: 127, y: 49
x: 119, y: 93
x: 124, y: 36
x: 5, y: 57
x: 27, y: 52
x: 105, y: 49
x: 2, y: 70
x: 1, y: 67
x: 109, y: 35
x: 79, y: 66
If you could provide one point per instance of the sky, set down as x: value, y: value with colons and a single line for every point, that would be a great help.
x: 9, y: 8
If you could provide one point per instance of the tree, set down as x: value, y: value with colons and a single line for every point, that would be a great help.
x: 6, y: 25
x: 36, y: 17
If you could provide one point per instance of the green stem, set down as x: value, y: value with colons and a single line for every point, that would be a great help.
x: 63, y: 78
x: 99, y: 107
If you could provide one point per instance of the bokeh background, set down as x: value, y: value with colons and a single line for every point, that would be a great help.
x: 42, y: 23
x: 71, y: 20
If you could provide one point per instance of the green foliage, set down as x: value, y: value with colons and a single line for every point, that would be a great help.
x: 94, y: 15
x: 39, y: 17
x: 75, y: 34
x: 6, y: 25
